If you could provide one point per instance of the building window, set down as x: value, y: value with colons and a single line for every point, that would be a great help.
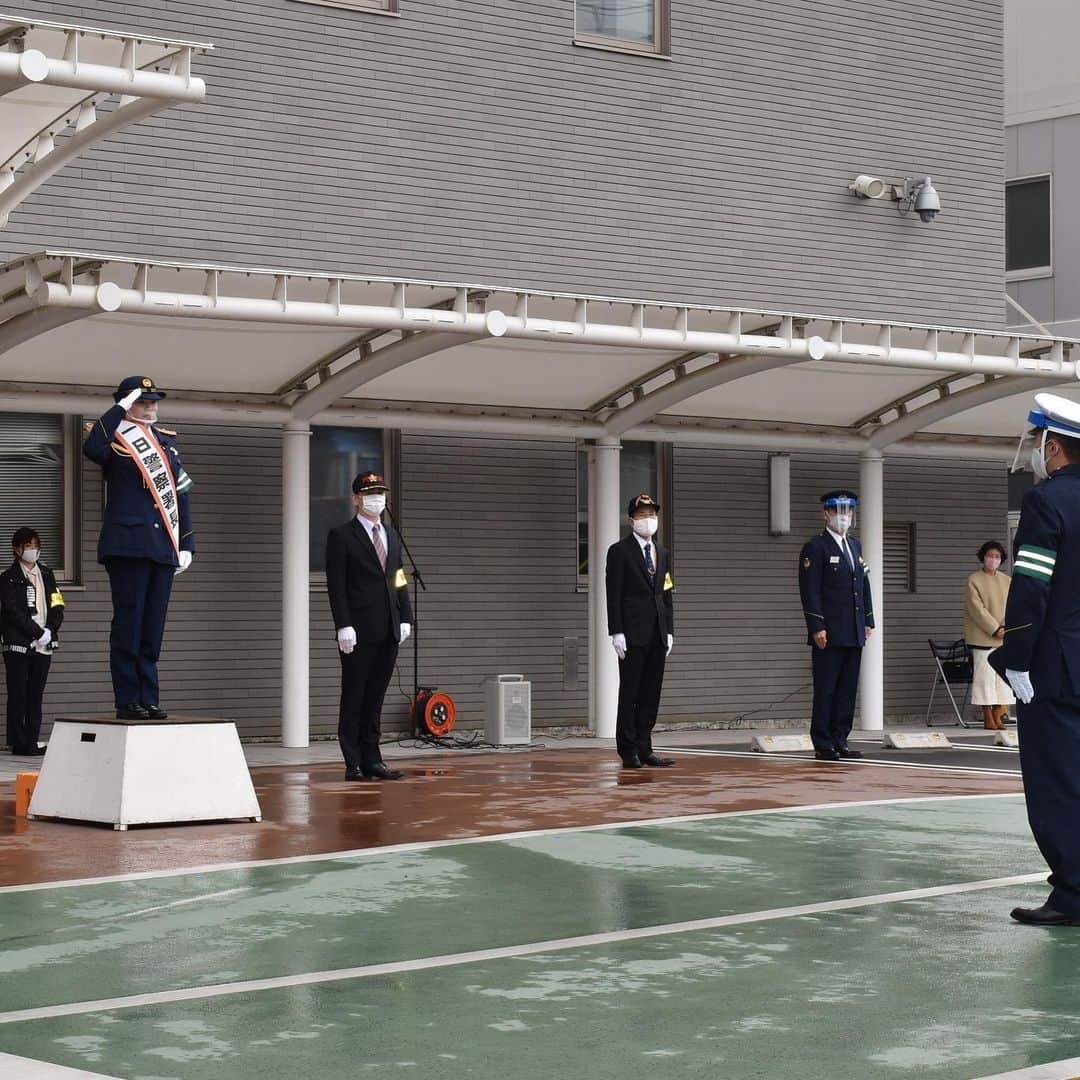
x: 640, y: 472
x: 1028, y: 243
x: 38, y: 477
x: 338, y: 454
x: 377, y: 7
x: 898, y: 573
x: 631, y: 25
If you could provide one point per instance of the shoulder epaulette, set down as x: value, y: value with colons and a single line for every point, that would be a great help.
x: 118, y: 449
x: 164, y: 430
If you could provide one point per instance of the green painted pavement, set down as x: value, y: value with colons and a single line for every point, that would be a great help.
x: 944, y: 989
x: 125, y: 938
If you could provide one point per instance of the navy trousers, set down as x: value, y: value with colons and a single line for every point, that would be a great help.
x: 365, y: 675
x: 140, y: 595
x: 1049, y: 734
x: 836, y: 685
x: 26, y: 674
x: 641, y: 678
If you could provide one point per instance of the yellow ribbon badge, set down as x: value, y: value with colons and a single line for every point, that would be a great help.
x: 56, y: 599
x: 668, y: 583
x: 400, y: 580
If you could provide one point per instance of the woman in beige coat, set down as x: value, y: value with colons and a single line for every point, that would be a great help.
x: 984, y: 630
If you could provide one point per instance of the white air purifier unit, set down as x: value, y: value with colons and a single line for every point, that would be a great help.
x: 508, y: 702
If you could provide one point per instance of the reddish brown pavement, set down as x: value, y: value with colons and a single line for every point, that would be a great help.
x: 310, y: 809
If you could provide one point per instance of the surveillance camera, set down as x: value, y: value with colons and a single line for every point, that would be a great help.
x: 867, y: 187
x: 927, y: 202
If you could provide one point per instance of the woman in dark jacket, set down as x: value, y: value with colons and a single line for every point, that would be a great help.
x: 31, y: 611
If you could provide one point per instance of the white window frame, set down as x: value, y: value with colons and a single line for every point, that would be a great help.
x: 1032, y: 273
x: 659, y: 48
x: 368, y: 7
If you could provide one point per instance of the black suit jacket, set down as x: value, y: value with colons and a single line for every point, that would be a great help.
x: 362, y: 594
x: 636, y: 604
x: 17, y: 607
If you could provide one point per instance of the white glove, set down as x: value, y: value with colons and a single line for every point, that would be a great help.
x: 185, y: 562
x: 129, y: 399
x: 406, y: 632
x: 346, y: 639
x: 670, y: 644
x: 45, y: 639
x: 1020, y: 681
x: 618, y: 642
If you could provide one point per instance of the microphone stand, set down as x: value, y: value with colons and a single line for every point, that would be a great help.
x: 416, y: 615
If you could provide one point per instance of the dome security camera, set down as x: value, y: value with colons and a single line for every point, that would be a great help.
x: 867, y: 187
x: 927, y: 202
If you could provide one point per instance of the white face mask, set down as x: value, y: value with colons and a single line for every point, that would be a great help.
x: 840, y: 523
x: 30, y: 555
x: 646, y: 527
x: 374, y: 504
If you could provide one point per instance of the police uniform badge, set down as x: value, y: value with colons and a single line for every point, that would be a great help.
x: 806, y: 564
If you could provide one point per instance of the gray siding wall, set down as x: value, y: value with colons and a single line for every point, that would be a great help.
x: 740, y: 636
x: 473, y: 141
x: 1052, y: 146
x: 492, y: 525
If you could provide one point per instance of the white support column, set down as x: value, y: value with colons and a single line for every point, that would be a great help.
x: 872, y: 535
x: 604, y: 513
x: 295, y: 591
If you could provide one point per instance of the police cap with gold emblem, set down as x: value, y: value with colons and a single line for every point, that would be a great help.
x: 370, y: 481
x: 841, y: 498
x: 139, y: 382
x: 642, y: 502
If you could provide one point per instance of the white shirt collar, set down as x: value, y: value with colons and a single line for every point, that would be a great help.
x: 838, y: 538
x: 368, y: 524
x: 642, y: 542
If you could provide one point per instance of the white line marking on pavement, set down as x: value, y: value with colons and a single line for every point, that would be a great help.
x: 509, y: 952
x: 181, y: 903
x: 430, y: 845
x: 21, y: 1068
x: 1053, y: 1070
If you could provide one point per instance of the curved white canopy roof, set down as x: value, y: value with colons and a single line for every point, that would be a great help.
x: 278, y: 346
x: 64, y: 87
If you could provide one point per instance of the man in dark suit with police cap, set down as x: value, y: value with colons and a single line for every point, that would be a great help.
x: 834, y: 585
x: 1040, y: 656
x: 641, y: 624
x: 369, y: 599
x: 146, y: 537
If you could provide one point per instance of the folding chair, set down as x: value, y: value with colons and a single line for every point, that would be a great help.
x: 954, y: 667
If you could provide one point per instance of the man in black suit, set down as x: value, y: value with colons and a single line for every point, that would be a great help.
x: 372, y: 615
x: 834, y: 585
x: 641, y: 625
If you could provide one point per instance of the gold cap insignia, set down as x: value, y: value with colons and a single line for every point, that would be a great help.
x: 147, y: 382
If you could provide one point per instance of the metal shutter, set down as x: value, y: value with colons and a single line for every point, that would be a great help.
x: 32, y: 480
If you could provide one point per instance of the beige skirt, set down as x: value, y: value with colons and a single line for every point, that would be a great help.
x: 987, y: 686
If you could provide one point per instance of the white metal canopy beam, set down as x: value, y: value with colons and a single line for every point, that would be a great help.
x: 64, y: 87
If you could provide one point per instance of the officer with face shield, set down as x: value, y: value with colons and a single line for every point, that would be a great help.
x: 1040, y: 656
x: 834, y: 585
x: 640, y: 622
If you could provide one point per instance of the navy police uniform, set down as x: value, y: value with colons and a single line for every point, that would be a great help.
x: 137, y: 552
x: 373, y: 599
x: 640, y: 607
x: 1042, y: 638
x: 834, y: 585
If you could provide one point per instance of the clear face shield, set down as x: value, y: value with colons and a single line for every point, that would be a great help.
x: 840, y: 515
x: 1030, y: 453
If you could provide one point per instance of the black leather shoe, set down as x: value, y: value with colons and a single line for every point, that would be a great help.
x: 844, y: 752
x: 156, y: 713
x: 29, y: 751
x: 657, y: 762
x: 631, y: 762
x: 354, y: 774
x: 1042, y: 916
x: 381, y: 772
x: 826, y: 755
x: 131, y: 712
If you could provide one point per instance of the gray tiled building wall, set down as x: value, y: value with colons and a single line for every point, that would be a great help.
x: 492, y: 524
x: 473, y: 141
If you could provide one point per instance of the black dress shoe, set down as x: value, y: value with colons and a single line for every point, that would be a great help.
x: 1042, y: 916
x: 827, y: 755
x: 381, y: 772
x: 354, y: 774
x: 156, y: 713
x: 844, y: 752
x: 657, y: 762
x: 631, y: 762
x: 131, y: 712
x: 29, y: 751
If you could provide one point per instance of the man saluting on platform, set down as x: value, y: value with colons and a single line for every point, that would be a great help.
x: 146, y: 537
